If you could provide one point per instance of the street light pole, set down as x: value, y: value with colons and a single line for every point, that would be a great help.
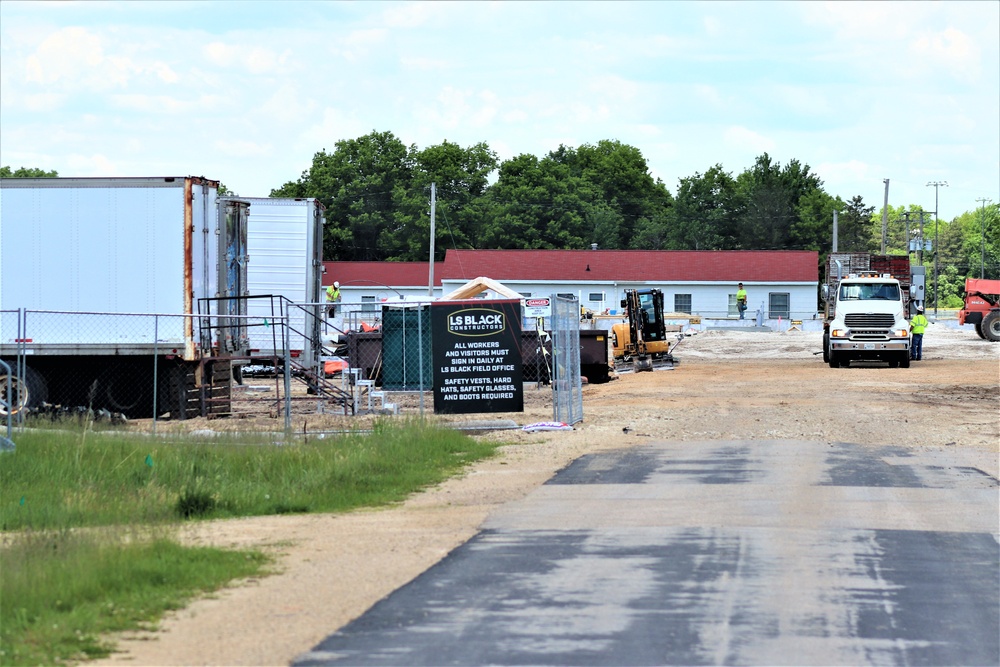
x: 936, y: 185
x: 982, y: 222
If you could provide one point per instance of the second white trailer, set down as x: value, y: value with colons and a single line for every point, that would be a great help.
x: 285, y: 250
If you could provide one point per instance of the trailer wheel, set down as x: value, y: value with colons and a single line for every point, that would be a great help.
x: 25, y: 393
x: 991, y: 326
x: 128, y: 389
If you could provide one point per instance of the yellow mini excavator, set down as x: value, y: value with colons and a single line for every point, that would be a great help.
x: 642, y: 341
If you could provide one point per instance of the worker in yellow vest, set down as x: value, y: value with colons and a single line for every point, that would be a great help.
x: 333, y: 298
x: 917, y: 326
x: 741, y: 299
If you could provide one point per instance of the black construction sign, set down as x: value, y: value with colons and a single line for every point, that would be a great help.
x: 477, y: 356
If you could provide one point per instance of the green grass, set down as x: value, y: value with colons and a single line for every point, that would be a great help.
x: 61, y: 588
x: 58, y: 479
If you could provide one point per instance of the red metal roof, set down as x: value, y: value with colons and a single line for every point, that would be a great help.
x: 605, y: 265
x: 633, y: 265
x: 376, y: 274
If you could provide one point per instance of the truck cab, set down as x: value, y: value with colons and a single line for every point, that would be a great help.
x: 869, y: 321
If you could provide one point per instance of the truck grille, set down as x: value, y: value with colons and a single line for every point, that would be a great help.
x: 869, y: 321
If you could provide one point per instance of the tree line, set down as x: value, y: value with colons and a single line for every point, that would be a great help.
x: 377, y: 193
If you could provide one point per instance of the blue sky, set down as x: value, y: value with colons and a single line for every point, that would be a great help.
x: 246, y: 93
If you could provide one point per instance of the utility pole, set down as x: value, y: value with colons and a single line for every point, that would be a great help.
x: 835, y: 211
x: 982, y: 222
x: 920, y: 248
x: 885, y: 214
x: 430, y: 275
x: 906, y: 217
x: 937, y: 252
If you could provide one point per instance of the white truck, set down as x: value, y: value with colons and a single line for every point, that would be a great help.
x: 118, y: 293
x: 868, y: 298
x: 284, y: 276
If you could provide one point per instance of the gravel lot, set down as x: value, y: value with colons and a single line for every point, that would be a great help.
x: 729, y: 385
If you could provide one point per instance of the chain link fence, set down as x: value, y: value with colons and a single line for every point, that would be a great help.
x: 387, y: 349
x: 116, y: 367
x: 286, y: 359
x: 567, y: 386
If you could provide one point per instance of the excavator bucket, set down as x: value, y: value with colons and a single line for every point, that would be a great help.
x: 643, y: 364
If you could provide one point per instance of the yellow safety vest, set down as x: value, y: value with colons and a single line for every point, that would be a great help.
x: 332, y: 293
x: 918, y: 323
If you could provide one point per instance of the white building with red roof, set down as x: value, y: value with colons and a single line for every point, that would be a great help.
x: 780, y: 283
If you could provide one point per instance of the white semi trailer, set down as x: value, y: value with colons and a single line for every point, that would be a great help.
x: 284, y: 276
x: 120, y: 293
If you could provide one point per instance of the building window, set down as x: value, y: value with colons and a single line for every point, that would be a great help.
x: 596, y: 297
x: 682, y: 303
x: 778, y: 305
x: 733, y: 310
x: 368, y: 304
x: 525, y: 294
x: 567, y: 296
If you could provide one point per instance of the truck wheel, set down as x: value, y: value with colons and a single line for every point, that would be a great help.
x: 128, y: 389
x: 991, y: 326
x: 979, y: 328
x: 826, y: 347
x: 27, y: 393
x: 904, y: 361
x: 833, y: 359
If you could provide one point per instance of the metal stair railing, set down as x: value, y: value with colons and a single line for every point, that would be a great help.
x: 311, y: 371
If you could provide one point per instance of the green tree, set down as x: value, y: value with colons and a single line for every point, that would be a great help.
x: 461, y: 177
x: 706, y: 212
x: 573, y: 197
x: 27, y: 172
x: 357, y: 183
x: 770, y: 201
x: 979, y: 254
x: 854, y: 227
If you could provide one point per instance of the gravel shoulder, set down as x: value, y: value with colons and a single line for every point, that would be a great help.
x: 729, y: 385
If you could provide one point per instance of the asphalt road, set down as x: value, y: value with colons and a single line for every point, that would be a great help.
x: 755, y: 552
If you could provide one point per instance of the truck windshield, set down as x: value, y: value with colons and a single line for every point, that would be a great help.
x: 869, y: 292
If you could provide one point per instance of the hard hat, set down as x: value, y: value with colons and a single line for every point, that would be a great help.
x: 920, y: 308
x: 336, y: 284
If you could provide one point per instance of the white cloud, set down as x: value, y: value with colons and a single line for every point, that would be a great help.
x: 334, y: 126
x: 255, y: 60
x: 164, y: 104
x: 286, y: 105
x: 68, y: 53
x: 96, y: 164
x: 242, y: 149
x: 423, y: 64
x: 39, y: 102
x: 414, y: 15
x: 741, y: 137
x: 359, y: 43
x: 845, y: 172
x: 950, y: 49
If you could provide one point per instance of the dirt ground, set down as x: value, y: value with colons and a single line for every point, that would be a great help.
x: 728, y: 385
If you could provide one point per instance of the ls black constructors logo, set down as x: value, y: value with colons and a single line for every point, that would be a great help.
x: 476, y: 322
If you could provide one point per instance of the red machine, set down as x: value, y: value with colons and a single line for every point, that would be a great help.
x: 982, y: 307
